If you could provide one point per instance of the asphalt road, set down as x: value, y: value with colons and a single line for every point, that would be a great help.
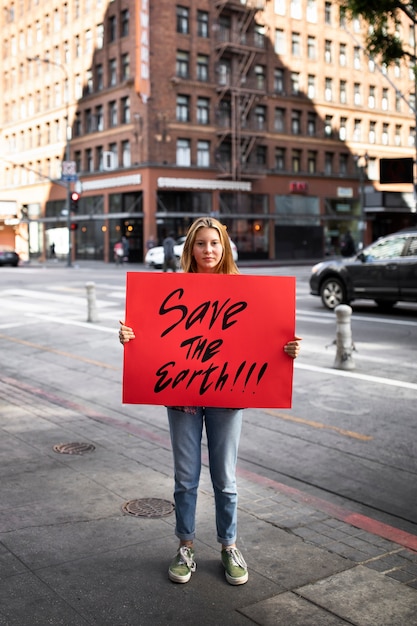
x: 350, y: 437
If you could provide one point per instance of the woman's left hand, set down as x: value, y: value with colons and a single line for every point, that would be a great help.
x: 292, y: 348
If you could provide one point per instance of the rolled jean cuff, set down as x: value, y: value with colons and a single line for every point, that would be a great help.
x: 226, y: 542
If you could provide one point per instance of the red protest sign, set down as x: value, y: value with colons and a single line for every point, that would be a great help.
x: 209, y: 340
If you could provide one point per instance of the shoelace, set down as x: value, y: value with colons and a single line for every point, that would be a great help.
x: 237, y: 557
x: 186, y: 558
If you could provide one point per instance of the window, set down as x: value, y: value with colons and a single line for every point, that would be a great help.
x: 202, y: 24
x: 398, y: 134
x: 88, y: 41
x: 279, y: 41
x: 385, y: 134
x: 342, y: 17
x: 311, y: 47
x: 259, y: 36
x: 328, y: 51
x: 296, y: 122
x: 89, y: 81
x: 328, y: 90
x: 203, y: 108
x: 77, y: 46
x: 112, y: 28
x: 182, y: 64
x: 183, y: 108
x: 328, y: 12
x: 279, y: 7
x: 296, y: 160
x: 312, y: 161
x: 357, y: 94
x: 183, y: 152
x: 115, y: 156
x: 342, y: 92
x: 384, y: 99
x: 342, y: 129
x: 112, y: 113
x: 182, y: 20
x: 99, y: 158
x: 279, y: 120
x: 100, y: 36
x: 112, y: 73
x: 278, y: 80
x: 125, y: 104
x: 311, y: 86
x: 99, y: 118
x: 77, y: 125
x: 342, y: 55
x: 357, y: 130
x: 372, y: 132
x: 312, y: 11
x: 260, y: 77
x: 126, y: 154
x: 125, y: 66
x: 202, y: 67
x: 89, y: 160
x: 203, y: 153
x: 88, y: 121
x: 295, y: 83
x: 124, y: 23
x: 261, y: 155
x: 224, y: 72
x: 328, y: 126
x: 295, y: 44
x: 295, y: 9
x: 343, y: 164
x: 412, y: 137
x: 371, y: 97
x: 398, y: 101
x: 260, y: 117
x: 328, y: 163
x: 99, y: 77
x: 357, y: 58
x: 311, y: 124
x: 280, y: 159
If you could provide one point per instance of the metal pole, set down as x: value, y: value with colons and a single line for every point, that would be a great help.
x: 67, y: 148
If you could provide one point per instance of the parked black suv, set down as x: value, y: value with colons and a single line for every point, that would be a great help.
x: 385, y: 271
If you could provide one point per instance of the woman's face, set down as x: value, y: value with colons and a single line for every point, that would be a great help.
x: 207, y: 250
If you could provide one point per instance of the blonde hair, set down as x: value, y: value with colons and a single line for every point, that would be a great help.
x: 226, y: 264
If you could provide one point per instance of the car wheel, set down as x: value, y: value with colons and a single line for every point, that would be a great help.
x: 332, y: 293
x: 386, y: 305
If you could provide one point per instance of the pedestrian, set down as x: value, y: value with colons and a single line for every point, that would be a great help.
x: 125, y: 246
x: 118, y: 252
x: 348, y: 245
x: 170, y: 262
x: 52, y: 250
x: 207, y: 250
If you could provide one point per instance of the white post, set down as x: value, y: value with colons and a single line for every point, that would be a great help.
x: 91, y: 302
x: 344, y: 344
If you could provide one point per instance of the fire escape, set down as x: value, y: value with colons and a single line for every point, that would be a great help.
x: 239, y: 50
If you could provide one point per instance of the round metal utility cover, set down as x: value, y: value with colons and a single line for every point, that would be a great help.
x: 148, y: 507
x: 73, y: 448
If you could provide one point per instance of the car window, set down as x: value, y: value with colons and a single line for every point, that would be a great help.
x: 386, y: 249
x: 412, y: 247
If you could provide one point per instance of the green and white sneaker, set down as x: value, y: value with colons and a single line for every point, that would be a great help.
x: 235, y: 566
x: 182, y: 565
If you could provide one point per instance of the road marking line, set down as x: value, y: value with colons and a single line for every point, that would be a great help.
x: 60, y: 320
x: 59, y: 352
x: 336, y: 429
x: 363, y: 377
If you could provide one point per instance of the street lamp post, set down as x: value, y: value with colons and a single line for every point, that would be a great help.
x: 67, y: 147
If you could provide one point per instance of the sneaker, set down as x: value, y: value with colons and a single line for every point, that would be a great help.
x: 235, y: 567
x: 182, y: 565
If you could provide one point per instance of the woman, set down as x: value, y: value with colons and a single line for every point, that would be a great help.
x: 207, y: 250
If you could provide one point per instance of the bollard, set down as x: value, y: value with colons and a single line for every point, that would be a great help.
x: 91, y: 302
x: 344, y: 344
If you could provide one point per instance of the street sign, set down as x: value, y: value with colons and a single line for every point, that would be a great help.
x: 69, y: 171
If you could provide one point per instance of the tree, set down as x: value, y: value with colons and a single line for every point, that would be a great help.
x: 382, y: 17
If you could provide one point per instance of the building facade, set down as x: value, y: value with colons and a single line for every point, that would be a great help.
x: 266, y: 113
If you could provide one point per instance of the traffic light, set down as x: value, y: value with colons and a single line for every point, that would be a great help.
x: 74, y: 201
x: 74, y: 226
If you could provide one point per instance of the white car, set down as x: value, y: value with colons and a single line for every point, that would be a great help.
x: 155, y: 256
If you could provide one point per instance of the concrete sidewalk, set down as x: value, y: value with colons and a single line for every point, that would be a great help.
x: 71, y: 556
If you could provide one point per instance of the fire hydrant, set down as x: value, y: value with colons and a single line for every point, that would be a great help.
x: 344, y: 344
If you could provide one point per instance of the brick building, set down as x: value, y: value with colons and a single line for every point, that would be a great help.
x: 267, y: 113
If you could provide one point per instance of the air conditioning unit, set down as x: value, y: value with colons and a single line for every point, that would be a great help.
x: 109, y: 161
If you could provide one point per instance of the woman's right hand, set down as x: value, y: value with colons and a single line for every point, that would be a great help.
x: 125, y: 333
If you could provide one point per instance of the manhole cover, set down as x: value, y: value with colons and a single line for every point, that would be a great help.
x: 148, y: 507
x: 74, y: 448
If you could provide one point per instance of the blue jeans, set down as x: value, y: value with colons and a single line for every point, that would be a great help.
x: 223, y: 427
